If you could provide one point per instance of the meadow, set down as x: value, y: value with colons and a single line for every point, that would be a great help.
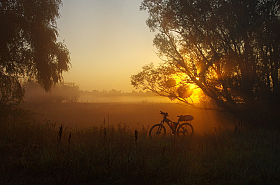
x: 132, y: 114
x: 35, y: 151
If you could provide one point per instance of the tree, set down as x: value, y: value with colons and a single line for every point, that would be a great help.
x: 28, y: 46
x: 227, y: 48
x: 61, y: 93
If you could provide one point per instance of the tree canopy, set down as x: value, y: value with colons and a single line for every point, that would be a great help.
x: 227, y: 48
x: 28, y: 46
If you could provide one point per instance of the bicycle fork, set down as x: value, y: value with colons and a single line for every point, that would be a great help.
x: 160, y: 128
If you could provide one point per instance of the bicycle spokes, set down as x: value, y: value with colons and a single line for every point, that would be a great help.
x: 157, y: 130
x: 185, y: 130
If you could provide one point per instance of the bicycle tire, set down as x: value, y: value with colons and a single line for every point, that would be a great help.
x: 158, y: 130
x: 185, y: 130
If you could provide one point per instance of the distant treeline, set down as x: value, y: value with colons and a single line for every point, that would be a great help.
x: 70, y: 92
x: 114, y: 92
x: 59, y: 93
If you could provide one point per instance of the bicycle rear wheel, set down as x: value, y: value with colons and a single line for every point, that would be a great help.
x: 185, y: 130
x: 157, y: 130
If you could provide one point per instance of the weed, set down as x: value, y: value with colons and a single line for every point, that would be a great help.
x: 30, y: 154
x: 59, y: 133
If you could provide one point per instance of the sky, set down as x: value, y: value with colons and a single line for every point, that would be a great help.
x: 108, y: 42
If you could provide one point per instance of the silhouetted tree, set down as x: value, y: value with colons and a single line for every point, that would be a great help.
x: 227, y: 48
x: 28, y: 46
x: 61, y: 92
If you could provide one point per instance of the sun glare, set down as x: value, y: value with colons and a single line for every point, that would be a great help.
x: 196, y: 95
x: 179, y: 78
x: 196, y: 92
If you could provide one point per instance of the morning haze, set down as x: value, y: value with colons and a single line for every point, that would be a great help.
x: 139, y: 92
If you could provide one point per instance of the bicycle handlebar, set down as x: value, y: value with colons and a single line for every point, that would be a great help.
x: 164, y: 113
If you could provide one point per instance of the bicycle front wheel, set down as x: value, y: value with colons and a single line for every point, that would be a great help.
x: 157, y: 130
x: 185, y: 130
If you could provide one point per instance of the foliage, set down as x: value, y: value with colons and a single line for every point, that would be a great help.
x: 45, y: 153
x: 228, y: 48
x: 161, y: 80
x: 29, y: 46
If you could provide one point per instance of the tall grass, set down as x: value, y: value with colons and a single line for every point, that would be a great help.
x: 46, y: 153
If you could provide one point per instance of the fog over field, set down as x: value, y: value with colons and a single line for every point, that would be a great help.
x: 134, y: 115
x: 68, y: 105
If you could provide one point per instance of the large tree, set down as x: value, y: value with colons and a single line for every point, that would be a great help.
x: 230, y: 49
x: 28, y: 46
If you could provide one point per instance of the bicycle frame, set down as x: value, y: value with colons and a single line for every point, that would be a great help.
x: 169, y: 122
x: 184, y: 129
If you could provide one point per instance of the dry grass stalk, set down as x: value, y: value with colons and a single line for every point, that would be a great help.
x: 136, y: 135
x: 59, y: 133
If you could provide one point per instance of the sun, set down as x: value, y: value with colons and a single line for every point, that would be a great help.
x: 194, y: 92
x: 196, y: 95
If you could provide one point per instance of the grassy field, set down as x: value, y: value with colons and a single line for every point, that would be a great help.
x: 134, y: 115
x: 45, y: 153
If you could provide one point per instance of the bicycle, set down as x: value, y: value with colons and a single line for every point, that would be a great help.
x: 182, y: 130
